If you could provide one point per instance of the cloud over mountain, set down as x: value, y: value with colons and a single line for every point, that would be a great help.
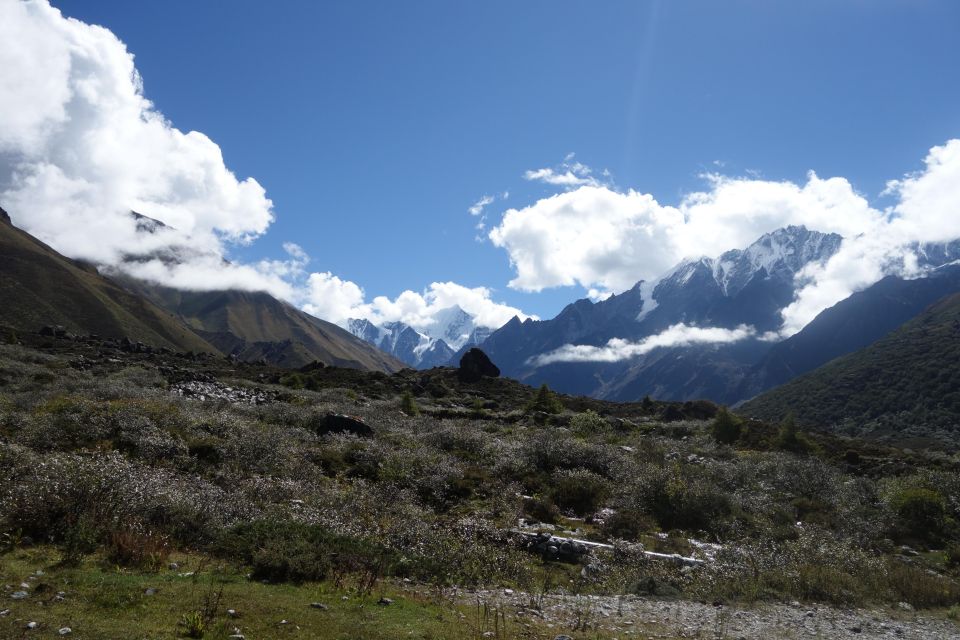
x: 81, y: 147
x: 606, y: 240
x: 616, y: 349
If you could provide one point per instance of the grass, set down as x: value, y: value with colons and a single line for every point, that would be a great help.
x: 104, y: 602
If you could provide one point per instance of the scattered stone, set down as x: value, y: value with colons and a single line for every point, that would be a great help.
x: 19, y: 595
x: 385, y: 602
x: 232, y: 613
x: 319, y: 605
x: 32, y: 625
x: 905, y: 606
x: 475, y: 365
x: 207, y: 390
x: 563, y: 638
x: 150, y: 592
x: 173, y: 566
x: 508, y: 592
x: 856, y: 629
x: 65, y: 631
x: 4, y: 613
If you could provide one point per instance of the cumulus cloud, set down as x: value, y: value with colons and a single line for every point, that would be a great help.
x: 927, y: 212
x: 80, y: 147
x: 617, y: 349
x: 607, y: 240
x: 338, y: 300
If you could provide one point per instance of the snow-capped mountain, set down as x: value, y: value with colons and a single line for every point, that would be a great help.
x: 747, y: 286
x: 452, y: 330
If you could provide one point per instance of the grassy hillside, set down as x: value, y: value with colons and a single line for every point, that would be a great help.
x: 38, y: 286
x: 904, y: 386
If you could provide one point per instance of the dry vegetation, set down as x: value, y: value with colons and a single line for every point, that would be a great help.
x: 99, y: 457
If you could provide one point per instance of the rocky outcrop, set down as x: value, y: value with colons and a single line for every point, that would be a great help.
x: 5, y: 217
x: 475, y: 365
x: 339, y: 423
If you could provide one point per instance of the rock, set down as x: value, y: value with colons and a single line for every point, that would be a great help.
x: 19, y: 595
x: 475, y: 365
x: 905, y: 606
x: 4, y: 613
x: 233, y: 613
x: 5, y: 217
x: 173, y: 566
x: 65, y: 631
x: 339, y: 423
x: 563, y: 638
x: 856, y: 629
x: 319, y: 605
x: 508, y: 592
x: 384, y: 602
x: 32, y: 625
x: 150, y: 592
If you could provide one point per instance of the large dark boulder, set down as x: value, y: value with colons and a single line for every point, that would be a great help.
x: 339, y: 423
x: 475, y: 365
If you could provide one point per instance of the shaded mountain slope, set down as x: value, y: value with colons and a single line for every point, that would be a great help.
x: 851, y: 324
x: 255, y: 325
x: 39, y: 286
x: 905, y: 385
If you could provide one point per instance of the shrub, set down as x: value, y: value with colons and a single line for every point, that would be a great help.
x: 920, y: 511
x: 541, y: 509
x: 627, y: 524
x: 579, y: 490
x: 408, y: 404
x: 139, y: 547
x: 726, y: 427
x: 588, y: 422
x: 281, y: 551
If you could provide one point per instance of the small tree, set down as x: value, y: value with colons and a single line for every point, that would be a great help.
x: 408, y: 404
x: 726, y: 427
x: 545, y: 401
x: 790, y: 438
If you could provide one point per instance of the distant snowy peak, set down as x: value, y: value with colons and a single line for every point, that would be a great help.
x: 782, y: 253
x: 453, y: 325
x: 452, y: 330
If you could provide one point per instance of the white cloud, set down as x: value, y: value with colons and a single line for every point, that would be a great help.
x: 617, y: 349
x: 604, y: 239
x: 477, y: 207
x: 927, y: 211
x: 569, y: 174
x: 80, y: 146
x: 337, y: 300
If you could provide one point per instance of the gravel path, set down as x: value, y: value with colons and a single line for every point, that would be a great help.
x: 636, y: 617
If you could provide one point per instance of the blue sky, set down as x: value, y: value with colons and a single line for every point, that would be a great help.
x: 374, y: 126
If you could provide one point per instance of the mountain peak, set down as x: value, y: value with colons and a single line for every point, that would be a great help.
x: 5, y: 217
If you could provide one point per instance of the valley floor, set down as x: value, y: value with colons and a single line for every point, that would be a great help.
x: 97, y: 601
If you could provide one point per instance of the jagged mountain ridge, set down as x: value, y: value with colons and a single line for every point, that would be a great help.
x: 453, y: 329
x: 750, y: 287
